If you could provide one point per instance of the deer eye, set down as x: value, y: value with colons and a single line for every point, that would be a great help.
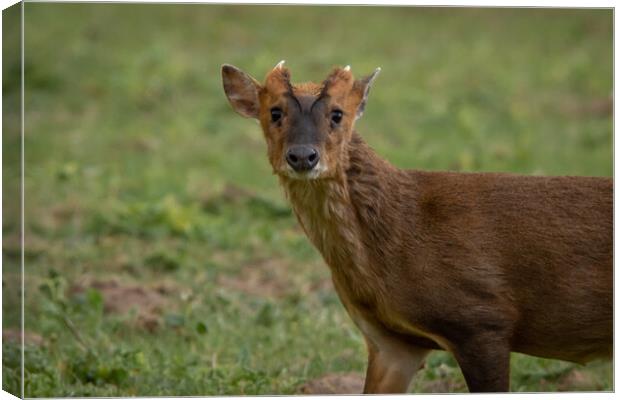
x: 336, y: 116
x: 276, y: 114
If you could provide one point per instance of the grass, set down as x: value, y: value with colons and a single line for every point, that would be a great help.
x: 144, y: 188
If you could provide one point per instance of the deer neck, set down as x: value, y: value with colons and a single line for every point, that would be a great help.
x: 335, y: 212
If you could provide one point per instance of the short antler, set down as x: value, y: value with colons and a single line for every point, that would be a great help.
x: 278, y: 80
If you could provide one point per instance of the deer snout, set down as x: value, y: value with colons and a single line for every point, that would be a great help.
x: 302, y: 158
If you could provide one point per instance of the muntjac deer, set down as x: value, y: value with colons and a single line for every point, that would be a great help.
x: 478, y: 264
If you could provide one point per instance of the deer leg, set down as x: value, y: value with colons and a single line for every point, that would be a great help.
x: 485, y: 365
x: 391, y: 365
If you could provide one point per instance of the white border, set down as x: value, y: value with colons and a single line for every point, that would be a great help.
x: 453, y: 3
x: 430, y: 3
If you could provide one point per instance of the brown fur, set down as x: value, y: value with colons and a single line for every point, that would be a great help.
x: 476, y: 264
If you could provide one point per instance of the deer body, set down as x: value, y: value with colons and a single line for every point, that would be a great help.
x: 476, y: 264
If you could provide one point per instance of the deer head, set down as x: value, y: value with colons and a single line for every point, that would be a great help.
x: 306, y: 126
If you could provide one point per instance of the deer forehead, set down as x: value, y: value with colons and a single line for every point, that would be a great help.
x: 299, y: 90
x: 307, y: 96
x: 307, y: 89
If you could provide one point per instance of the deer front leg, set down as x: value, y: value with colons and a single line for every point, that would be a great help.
x: 485, y: 363
x: 391, y: 364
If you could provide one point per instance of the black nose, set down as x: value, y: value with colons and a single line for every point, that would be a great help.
x: 302, y: 158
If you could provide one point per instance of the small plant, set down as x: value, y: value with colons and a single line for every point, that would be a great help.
x: 92, y: 358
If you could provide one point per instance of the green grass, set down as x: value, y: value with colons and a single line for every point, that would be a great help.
x: 138, y: 171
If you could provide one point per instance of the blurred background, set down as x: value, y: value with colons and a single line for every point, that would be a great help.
x: 161, y: 257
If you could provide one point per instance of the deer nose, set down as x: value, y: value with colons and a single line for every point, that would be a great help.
x: 302, y: 158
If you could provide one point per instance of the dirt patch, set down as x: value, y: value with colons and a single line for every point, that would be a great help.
x: 147, y: 303
x: 343, y: 383
x: 64, y: 212
x: 265, y: 278
x: 145, y: 144
x: 578, y: 380
x: 30, y: 338
x: 443, y: 385
x: 353, y: 383
x: 33, y: 246
x: 278, y: 278
x: 321, y: 286
x: 597, y: 107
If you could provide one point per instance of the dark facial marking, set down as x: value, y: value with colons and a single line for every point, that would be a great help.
x: 290, y: 96
x: 308, y: 125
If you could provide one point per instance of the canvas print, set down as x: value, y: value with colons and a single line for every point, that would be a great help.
x: 285, y: 199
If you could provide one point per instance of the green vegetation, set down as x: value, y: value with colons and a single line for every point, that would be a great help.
x: 161, y: 256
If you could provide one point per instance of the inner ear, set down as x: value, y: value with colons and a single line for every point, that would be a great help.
x: 241, y: 90
x: 362, y: 88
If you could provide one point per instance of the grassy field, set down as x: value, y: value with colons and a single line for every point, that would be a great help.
x: 161, y: 257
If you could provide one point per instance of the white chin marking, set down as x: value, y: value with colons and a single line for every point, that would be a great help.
x: 314, y: 173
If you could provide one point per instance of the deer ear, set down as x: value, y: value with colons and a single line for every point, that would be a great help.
x: 363, y: 87
x: 241, y: 90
